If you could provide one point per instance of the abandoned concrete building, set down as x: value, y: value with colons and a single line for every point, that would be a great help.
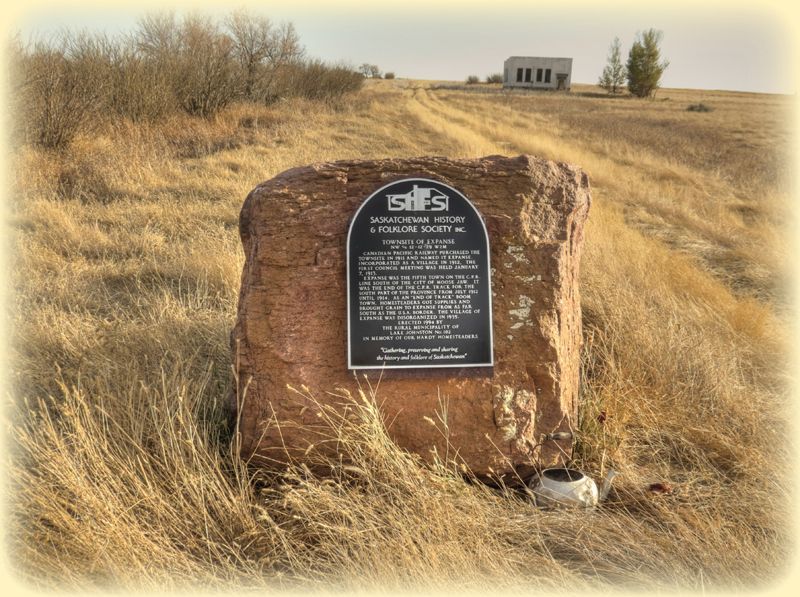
x: 537, y: 73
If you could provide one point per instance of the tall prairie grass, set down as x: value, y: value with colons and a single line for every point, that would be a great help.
x: 125, y: 269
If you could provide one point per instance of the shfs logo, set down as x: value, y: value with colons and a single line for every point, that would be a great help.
x: 419, y: 200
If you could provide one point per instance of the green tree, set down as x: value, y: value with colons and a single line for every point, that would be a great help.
x: 644, y: 68
x: 613, y: 75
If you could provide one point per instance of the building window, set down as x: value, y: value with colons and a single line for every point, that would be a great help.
x: 527, y: 75
x: 538, y: 75
x: 519, y: 75
x: 547, y: 76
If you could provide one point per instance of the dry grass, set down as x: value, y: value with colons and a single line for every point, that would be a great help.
x: 125, y: 272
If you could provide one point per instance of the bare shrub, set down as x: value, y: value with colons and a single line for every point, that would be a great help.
x: 140, y: 88
x: 494, y: 79
x: 207, y: 79
x: 192, y: 64
x: 473, y: 80
x: 370, y: 71
x: 318, y: 80
x: 261, y: 49
x: 199, y: 58
x: 58, y: 87
x: 389, y: 75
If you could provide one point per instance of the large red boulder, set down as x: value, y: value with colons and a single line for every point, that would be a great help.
x: 292, y: 314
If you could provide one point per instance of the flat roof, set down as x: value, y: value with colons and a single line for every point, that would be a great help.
x: 541, y: 57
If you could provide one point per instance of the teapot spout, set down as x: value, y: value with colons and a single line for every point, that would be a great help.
x: 607, y: 485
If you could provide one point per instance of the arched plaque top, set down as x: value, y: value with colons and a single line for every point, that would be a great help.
x: 418, y: 279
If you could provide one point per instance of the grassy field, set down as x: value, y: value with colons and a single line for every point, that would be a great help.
x: 124, y: 272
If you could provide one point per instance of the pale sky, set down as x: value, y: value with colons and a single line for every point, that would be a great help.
x: 740, y: 46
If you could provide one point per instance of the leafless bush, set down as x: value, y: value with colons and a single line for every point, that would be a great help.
x: 192, y: 64
x: 496, y: 78
x: 140, y: 88
x: 200, y: 57
x: 261, y: 50
x: 57, y: 87
x: 473, y: 80
x: 318, y: 80
x: 370, y: 71
x: 249, y: 58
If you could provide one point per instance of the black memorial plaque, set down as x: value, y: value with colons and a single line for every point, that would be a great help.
x: 418, y: 286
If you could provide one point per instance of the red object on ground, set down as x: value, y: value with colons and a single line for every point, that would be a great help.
x: 660, y: 488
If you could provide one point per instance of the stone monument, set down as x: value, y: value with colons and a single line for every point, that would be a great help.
x: 451, y: 280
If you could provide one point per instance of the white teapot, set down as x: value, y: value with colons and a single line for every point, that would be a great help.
x: 564, y: 486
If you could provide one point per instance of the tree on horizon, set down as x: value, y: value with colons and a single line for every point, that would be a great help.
x: 613, y: 76
x: 644, y: 69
